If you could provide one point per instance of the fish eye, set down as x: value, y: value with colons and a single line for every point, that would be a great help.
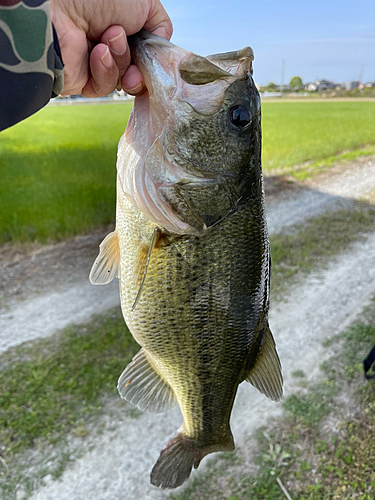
x: 240, y: 116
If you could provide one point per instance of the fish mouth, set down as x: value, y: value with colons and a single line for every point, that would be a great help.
x: 172, y: 73
x: 141, y: 152
x: 158, y: 60
x: 143, y: 38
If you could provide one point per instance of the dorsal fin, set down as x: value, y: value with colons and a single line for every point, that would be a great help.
x: 143, y: 387
x: 266, y: 373
x: 107, y: 263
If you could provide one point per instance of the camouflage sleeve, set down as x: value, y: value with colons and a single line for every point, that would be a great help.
x: 30, y: 60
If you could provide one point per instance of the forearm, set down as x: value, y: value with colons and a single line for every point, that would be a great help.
x: 30, y: 63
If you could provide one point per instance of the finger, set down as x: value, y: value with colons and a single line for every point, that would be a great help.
x: 158, y: 21
x: 132, y: 82
x: 104, y: 73
x: 76, y: 62
x: 115, y: 38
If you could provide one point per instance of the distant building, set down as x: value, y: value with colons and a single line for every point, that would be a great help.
x: 311, y: 87
x: 320, y: 85
x: 351, y: 85
x: 326, y: 85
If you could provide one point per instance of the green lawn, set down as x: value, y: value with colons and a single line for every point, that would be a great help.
x: 58, y: 171
x: 294, y: 133
x: 58, y: 167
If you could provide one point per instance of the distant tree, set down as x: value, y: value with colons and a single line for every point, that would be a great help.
x: 271, y: 87
x: 295, y: 82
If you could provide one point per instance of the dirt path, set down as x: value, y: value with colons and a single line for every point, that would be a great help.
x: 329, y: 191
x: 44, y: 289
x: 116, y: 463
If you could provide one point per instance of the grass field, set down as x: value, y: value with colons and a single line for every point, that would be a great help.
x: 58, y: 167
x: 294, y: 133
x: 58, y: 171
x: 66, y: 376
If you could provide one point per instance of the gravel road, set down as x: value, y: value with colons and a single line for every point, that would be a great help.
x: 117, y: 464
x: 330, y: 191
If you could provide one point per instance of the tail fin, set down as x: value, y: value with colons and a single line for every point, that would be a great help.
x: 179, y: 456
x: 175, y: 462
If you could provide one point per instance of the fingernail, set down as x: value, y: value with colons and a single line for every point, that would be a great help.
x: 107, y: 59
x: 135, y: 90
x: 118, y: 44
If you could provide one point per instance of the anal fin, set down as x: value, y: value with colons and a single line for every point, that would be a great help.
x: 143, y: 387
x: 107, y: 263
x: 266, y: 374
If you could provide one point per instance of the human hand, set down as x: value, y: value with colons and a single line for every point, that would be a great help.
x: 92, y: 37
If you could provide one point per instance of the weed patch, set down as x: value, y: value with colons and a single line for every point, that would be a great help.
x: 312, y: 407
x: 54, y: 386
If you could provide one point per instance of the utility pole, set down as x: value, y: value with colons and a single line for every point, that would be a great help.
x: 282, y: 75
x: 361, y: 73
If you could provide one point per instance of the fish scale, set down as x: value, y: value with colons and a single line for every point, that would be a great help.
x: 202, y: 328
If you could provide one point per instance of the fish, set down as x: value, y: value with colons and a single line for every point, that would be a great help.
x: 191, y: 248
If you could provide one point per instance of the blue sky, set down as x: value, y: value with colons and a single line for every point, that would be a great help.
x: 329, y: 39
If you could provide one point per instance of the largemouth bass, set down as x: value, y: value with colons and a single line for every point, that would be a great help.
x: 191, y: 247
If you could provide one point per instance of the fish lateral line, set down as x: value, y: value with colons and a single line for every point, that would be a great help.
x: 156, y: 235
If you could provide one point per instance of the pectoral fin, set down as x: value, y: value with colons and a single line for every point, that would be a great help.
x: 107, y: 264
x: 143, y: 262
x: 143, y: 387
x: 266, y: 373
